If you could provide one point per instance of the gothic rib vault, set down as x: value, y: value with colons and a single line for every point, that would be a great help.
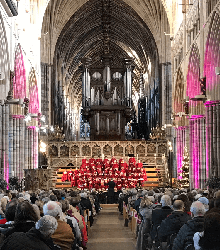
x: 72, y: 32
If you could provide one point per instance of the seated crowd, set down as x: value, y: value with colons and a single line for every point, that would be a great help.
x: 46, y: 219
x: 174, y: 219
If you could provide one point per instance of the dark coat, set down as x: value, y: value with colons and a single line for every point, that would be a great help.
x: 86, y: 203
x: 137, y: 204
x: 213, y: 210
x: 187, y: 231
x: 111, y: 185
x: 172, y: 224
x: 158, y: 215
x: 20, y: 227
x: 32, y: 240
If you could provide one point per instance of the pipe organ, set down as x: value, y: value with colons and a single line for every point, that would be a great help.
x: 107, y: 98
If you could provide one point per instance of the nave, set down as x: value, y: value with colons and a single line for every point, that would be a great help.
x: 108, y: 231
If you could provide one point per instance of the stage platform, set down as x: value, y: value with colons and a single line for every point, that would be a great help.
x: 65, y: 155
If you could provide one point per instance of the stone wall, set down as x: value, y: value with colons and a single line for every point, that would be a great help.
x: 62, y: 153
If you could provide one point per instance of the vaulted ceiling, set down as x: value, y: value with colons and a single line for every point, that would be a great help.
x: 134, y: 31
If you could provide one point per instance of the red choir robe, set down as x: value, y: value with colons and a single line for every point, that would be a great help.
x: 115, y: 166
x: 113, y: 160
x: 74, y: 181
x: 132, y: 160
x: 70, y: 175
x: 92, y: 161
x: 84, y: 161
x: 98, y: 161
x: 102, y: 183
x: 124, y: 165
x: 64, y: 176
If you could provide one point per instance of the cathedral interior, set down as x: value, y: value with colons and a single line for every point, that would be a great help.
x: 102, y: 78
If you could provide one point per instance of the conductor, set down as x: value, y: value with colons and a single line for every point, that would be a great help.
x: 111, y: 193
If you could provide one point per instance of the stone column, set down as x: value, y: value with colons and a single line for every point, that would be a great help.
x: 191, y: 175
x: 215, y: 140
x: 203, y: 151
x: 35, y: 144
x: 210, y: 120
x: 218, y: 136
x: 14, y: 148
x: 7, y: 141
x: 163, y: 93
x: 18, y: 149
x: 1, y: 137
x: 29, y: 148
x: 26, y: 147
x: 22, y: 143
x: 32, y: 147
x: 11, y: 165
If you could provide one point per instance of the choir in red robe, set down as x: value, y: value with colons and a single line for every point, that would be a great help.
x: 97, y: 173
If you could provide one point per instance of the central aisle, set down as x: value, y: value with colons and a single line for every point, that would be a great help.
x: 108, y: 231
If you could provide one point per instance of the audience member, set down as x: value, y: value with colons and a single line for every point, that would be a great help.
x: 208, y: 239
x: 160, y: 214
x: 25, y: 218
x: 144, y: 228
x: 185, y: 236
x: 63, y: 236
x: 36, y: 238
x: 172, y: 224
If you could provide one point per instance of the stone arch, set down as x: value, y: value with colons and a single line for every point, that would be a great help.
x: 212, y: 58
x: 140, y: 150
x: 96, y: 151
x: 4, y: 61
x: 64, y: 151
x: 19, y: 84
x: 86, y: 150
x: 178, y: 93
x: 193, y: 85
x: 57, y: 14
x: 196, y: 110
x: 33, y: 93
x: 75, y: 151
x: 129, y: 150
x: 53, y: 151
x: 107, y: 150
x: 118, y: 150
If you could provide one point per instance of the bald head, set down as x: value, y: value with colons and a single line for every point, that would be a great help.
x: 178, y: 205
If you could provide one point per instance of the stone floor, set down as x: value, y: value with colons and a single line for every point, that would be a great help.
x: 108, y: 232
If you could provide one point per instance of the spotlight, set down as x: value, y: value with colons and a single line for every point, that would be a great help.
x: 43, y: 147
x: 43, y: 118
